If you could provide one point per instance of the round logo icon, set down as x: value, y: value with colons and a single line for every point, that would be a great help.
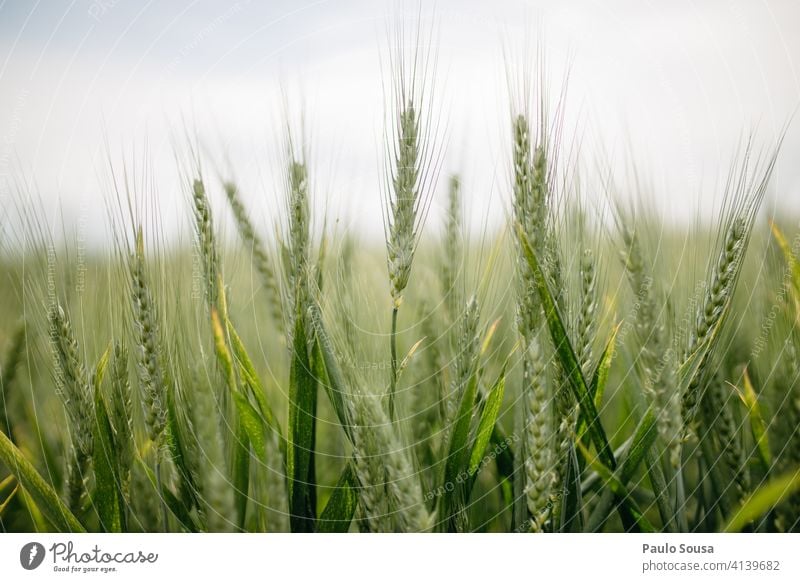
x: 31, y: 555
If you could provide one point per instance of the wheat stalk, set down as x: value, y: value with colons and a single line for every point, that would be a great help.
x: 259, y: 254
x: 149, y: 367
x: 121, y: 413
x: 452, y: 250
x: 530, y: 200
x: 299, y: 236
x: 76, y: 393
x: 382, y: 460
x: 658, y: 368
x: 204, y: 233
x: 8, y: 373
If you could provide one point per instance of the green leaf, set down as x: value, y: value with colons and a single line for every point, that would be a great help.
x: 600, y: 377
x: 341, y: 506
x: 660, y: 489
x: 456, y: 470
x: 571, y: 500
x: 791, y: 260
x: 8, y: 372
x: 643, y: 439
x: 240, y: 464
x: 505, y: 455
x: 606, y: 503
x: 608, y: 477
x: 335, y: 386
x: 221, y: 348
x: 251, y: 379
x: 176, y: 430
x: 763, y: 500
x: 107, y: 499
x: 251, y: 422
x: 241, y: 471
x: 8, y: 500
x: 40, y: 491
x: 757, y: 424
x: 487, y: 422
x: 566, y: 355
x: 173, y: 503
x: 302, y: 419
x: 617, y: 481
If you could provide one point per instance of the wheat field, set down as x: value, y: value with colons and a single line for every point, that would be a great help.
x: 563, y: 373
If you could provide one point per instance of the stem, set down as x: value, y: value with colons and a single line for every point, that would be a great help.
x: 393, y: 348
x: 75, y: 486
x: 680, y: 499
x: 661, y: 490
x: 164, y: 515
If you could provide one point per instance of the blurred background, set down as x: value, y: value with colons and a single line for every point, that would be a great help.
x: 670, y: 88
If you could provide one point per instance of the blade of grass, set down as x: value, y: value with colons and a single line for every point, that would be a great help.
x: 241, y: 471
x: 660, y: 490
x: 757, y: 424
x: 40, y: 491
x: 504, y: 460
x: 107, y: 498
x: 8, y: 500
x: 172, y: 503
x: 597, y: 387
x: 302, y: 407
x: 6, y: 482
x: 339, y: 511
x: 763, y: 500
x: 251, y: 379
x: 251, y: 422
x: 240, y: 463
x: 457, y: 462
x: 617, y: 481
x: 606, y: 503
x: 571, y: 501
x: 177, y: 448
x: 487, y: 422
x: 334, y: 387
x: 791, y: 261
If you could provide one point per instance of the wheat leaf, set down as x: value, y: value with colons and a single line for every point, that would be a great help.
x: 339, y: 511
x: 40, y: 491
x: 173, y: 503
x: 335, y: 386
x: 763, y: 500
x: 251, y: 379
x: 757, y: 423
x: 597, y: 387
x: 487, y: 422
x: 791, y: 261
x: 302, y: 412
x: 107, y: 499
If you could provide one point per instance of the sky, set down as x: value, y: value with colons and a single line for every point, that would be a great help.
x: 670, y: 88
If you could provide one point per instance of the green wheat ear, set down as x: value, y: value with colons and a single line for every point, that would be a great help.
x: 452, y: 251
x: 260, y: 257
x: 405, y: 208
x: 148, y: 342
x: 531, y: 195
x: 204, y: 233
x: 75, y: 389
x: 121, y: 413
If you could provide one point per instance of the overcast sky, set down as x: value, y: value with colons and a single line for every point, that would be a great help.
x: 674, y: 85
